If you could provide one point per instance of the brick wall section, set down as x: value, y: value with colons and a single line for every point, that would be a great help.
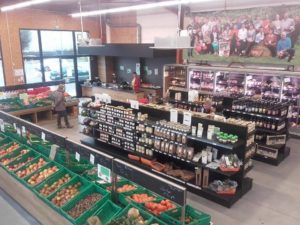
x: 34, y: 19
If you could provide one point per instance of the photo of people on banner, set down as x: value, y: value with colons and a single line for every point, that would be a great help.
x: 269, y: 32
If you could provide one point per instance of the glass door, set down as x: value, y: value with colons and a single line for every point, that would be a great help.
x: 68, y: 74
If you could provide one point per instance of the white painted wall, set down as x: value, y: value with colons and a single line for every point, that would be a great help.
x: 158, y: 23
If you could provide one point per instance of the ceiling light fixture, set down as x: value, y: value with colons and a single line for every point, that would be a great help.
x: 136, y: 7
x: 23, y: 5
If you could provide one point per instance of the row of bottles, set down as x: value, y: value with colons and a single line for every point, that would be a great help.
x: 269, y: 108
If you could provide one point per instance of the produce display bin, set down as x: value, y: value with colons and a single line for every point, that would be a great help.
x: 50, y: 180
x: 107, y: 212
x: 84, y: 216
x: 125, y: 198
x: 155, y: 220
x: 8, y: 145
x: 84, y: 185
x: 24, y: 158
x: 172, y: 217
x: 75, y: 166
x: 119, y: 184
x: 158, y: 201
x: 146, y: 216
x: 14, y: 154
x: 26, y: 166
x: 47, y: 166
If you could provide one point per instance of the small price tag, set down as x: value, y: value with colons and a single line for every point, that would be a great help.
x: 2, y: 127
x: 174, y: 115
x: 53, y: 151
x: 77, y: 156
x: 92, y: 159
x: 43, y: 136
x: 107, y: 98
x: 18, y: 131
x: 23, y: 131
x: 187, y: 118
x: 15, y: 126
x: 134, y: 104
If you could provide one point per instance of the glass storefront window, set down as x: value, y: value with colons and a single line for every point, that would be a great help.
x: 56, y: 43
x: 33, y: 71
x: 30, y: 43
x: 52, y: 69
x: 84, y: 68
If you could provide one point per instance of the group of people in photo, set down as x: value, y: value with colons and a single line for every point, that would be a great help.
x: 245, y: 35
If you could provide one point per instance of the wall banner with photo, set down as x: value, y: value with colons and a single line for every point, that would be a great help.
x: 256, y: 35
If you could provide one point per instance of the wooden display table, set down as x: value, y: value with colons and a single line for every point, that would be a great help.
x: 47, y: 110
x: 116, y: 94
x: 28, y: 200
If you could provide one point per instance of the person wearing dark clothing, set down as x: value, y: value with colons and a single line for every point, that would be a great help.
x: 60, y: 107
x: 270, y: 42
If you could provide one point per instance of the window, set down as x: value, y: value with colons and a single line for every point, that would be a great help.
x: 52, y: 69
x: 30, y: 43
x: 83, y: 68
x: 56, y: 43
x: 49, y: 55
x: 2, y: 81
x: 33, y: 71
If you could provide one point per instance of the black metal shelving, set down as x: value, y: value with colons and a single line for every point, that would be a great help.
x: 238, y: 148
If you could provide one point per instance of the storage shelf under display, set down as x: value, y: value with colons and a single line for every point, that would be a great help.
x: 255, y: 115
x: 272, y: 161
x: 215, y: 143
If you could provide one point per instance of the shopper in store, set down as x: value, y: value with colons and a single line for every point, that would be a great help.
x: 136, y: 82
x: 251, y: 34
x: 60, y: 106
x: 284, y: 47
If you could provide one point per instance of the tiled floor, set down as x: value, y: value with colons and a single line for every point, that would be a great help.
x: 273, y: 200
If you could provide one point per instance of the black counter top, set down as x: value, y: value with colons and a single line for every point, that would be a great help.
x: 112, y: 88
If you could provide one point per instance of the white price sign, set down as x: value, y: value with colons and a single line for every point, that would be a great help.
x: 18, y: 131
x: 53, y: 151
x: 174, y: 115
x: 134, y: 104
x: 43, y: 136
x: 77, y: 156
x: 15, y: 126
x: 92, y: 159
x: 2, y: 125
x: 23, y: 131
x: 187, y: 118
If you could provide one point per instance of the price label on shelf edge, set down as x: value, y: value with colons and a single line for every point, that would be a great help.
x: 77, y: 156
x: 92, y: 159
x: 174, y: 115
x: 134, y: 104
x: 53, y: 151
x: 187, y: 118
x: 43, y: 136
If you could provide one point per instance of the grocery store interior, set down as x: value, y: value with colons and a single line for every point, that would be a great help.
x: 149, y: 112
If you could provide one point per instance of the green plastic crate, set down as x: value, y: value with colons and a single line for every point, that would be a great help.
x: 22, y: 159
x: 50, y: 180
x: 125, y: 198
x: 47, y: 166
x: 107, y: 212
x: 15, y: 154
x: 77, y: 167
x: 6, y: 146
x: 198, y: 218
x: 146, y: 216
x: 74, y: 180
x: 157, y: 201
x: 27, y: 165
x: 120, y: 183
x: 84, y: 216
x: 155, y: 220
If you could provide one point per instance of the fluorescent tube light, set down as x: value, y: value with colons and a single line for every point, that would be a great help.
x: 23, y: 5
x: 136, y: 7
